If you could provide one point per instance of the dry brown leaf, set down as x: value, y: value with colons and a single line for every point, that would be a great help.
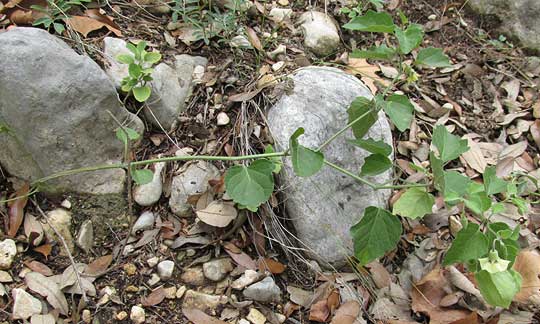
x: 427, y: 295
x: 218, y: 213
x: 33, y: 230
x: 44, y: 249
x: 300, y: 296
x: 528, y: 265
x: 147, y: 237
x: 535, y: 132
x: 154, y: 298
x: 254, y: 39
x: 472, y: 318
x: 474, y: 157
x: 85, y: 25
x: 275, y: 267
x: 379, y: 274
x: 347, y: 313
x: 333, y: 300
x: 37, y: 266
x: 513, y: 150
x: 47, y: 288
x: 43, y: 319
x: 99, y: 265
x: 240, y: 257
x: 244, y: 96
x: 367, y: 73
x: 319, y: 311
x: 16, y: 210
x: 199, y: 317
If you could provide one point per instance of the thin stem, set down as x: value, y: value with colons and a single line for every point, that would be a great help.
x: 369, y: 183
x: 341, y: 131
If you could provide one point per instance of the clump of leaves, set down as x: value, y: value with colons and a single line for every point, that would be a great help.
x: 353, y: 12
x: 140, y: 70
x: 55, y: 13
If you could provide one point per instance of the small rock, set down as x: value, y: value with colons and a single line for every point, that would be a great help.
x: 281, y: 49
x: 85, y: 238
x: 280, y: 317
x: 24, y: 304
x: 66, y: 204
x: 137, y: 314
x: 263, y: 291
x: 165, y: 269
x: 130, y: 269
x: 149, y: 193
x: 144, y: 222
x: 279, y: 15
x: 121, y: 316
x: 193, y: 276
x: 154, y: 279
x: 132, y: 289
x: 277, y: 66
x: 60, y: 219
x: 249, y: 277
x: 8, y: 250
x: 240, y: 41
x: 229, y: 314
x: 283, y: 2
x: 193, y: 181
x: 217, y: 270
x: 86, y: 316
x: 152, y: 262
x: 194, y: 299
x: 243, y: 321
x: 180, y: 292
x: 3, y: 291
x: 432, y: 17
x: 256, y: 317
x: 5, y: 277
x: 222, y: 119
x: 170, y: 292
x: 321, y: 34
x: 222, y: 286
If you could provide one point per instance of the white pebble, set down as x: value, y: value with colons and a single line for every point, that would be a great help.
x: 223, y: 119
x: 137, y: 315
x: 165, y: 269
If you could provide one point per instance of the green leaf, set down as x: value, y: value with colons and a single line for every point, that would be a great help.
x: 131, y: 134
x: 132, y: 48
x: 469, y: 244
x: 375, y: 164
x: 142, y: 176
x: 362, y: 106
x: 455, y: 184
x: 277, y: 160
x: 377, y: 233
x: 499, y: 288
x: 478, y: 202
x: 152, y: 57
x: 134, y: 70
x: 142, y: 94
x: 125, y: 58
x: 400, y: 111
x: 59, y: 28
x: 373, y: 146
x: 250, y: 186
x: 382, y: 52
x: 433, y: 57
x: 414, y: 203
x: 409, y: 38
x: 306, y: 162
x: 521, y: 204
x: 376, y: 22
x: 450, y: 146
x: 492, y: 183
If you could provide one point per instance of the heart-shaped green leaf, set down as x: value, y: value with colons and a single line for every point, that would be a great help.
x: 377, y: 233
x: 373, y: 146
x: 250, y: 185
x: 414, y: 203
x: 450, y: 146
x: 142, y: 94
x: 142, y: 176
x: 409, y: 38
x: 362, y: 106
x: 382, y: 52
x: 306, y: 162
x: 375, y: 164
x: 376, y: 22
x: 469, y: 244
x: 433, y: 57
x: 400, y: 111
x: 499, y: 288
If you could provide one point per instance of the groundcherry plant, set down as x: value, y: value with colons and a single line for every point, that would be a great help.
x: 487, y: 248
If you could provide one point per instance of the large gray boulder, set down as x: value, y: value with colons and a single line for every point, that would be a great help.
x: 54, y: 103
x: 324, y: 207
x: 520, y: 19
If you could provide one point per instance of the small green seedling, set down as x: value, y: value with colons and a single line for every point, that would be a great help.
x: 140, y: 63
x: 55, y: 13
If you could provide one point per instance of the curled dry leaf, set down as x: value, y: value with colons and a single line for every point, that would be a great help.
x: 44, y: 249
x: 93, y: 21
x: 240, y: 257
x: 33, y: 230
x: 427, y: 295
x: 47, y: 288
x: 199, y: 317
x: 379, y: 274
x: 528, y: 265
x: 254, y: 39
x: 347, y: 313
x: 154, y: 298
x: 218, y: 213
x: 16, y: 210
x: 474, y: 156
x: 319, y: 311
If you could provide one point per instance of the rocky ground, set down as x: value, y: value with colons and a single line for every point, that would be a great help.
x: 227, y: 91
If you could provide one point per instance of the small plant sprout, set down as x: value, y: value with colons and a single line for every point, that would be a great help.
x: 55, y: 13
x: 140, y: 63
